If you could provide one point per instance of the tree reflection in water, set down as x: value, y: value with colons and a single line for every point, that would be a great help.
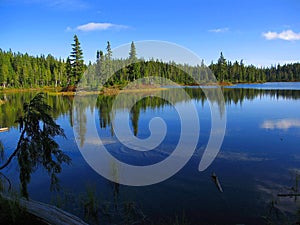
x: 36, y: 146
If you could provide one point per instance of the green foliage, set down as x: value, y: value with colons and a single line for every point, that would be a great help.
x: 221, y: 72
x: 77, y: 64
x: 224, y: 70
x: 132, y: 53
x: 69, y: 73
x: 108, y: 55
x: 237, y: 72
x: 24, y: 71
x: 36, y: 146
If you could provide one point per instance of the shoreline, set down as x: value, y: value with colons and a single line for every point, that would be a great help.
x: 114, y: 90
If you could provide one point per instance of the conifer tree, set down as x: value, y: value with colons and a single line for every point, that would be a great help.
x: 132, y: 53
x: 134, y: 66
x: 76, y: 58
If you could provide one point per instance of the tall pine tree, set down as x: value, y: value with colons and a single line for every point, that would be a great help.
x: 76, y: 59
x: 221, y: 68
x: 132, y: 53
x: 109, y: 64
x: 134, y: 66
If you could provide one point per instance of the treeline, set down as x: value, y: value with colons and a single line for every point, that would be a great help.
x: 238, y: 72
x: 130, y: 69
x: 108, y: 71
x: 19, y: 70
x: 22, y: 70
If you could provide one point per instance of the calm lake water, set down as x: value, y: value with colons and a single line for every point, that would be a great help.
x: 259, y: 157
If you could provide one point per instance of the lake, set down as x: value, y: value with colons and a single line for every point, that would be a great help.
x: 259, y: 158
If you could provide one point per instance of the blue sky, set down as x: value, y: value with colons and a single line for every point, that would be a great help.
x: 257, y: 31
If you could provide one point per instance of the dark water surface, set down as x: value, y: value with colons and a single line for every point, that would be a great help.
x: 259, y: 158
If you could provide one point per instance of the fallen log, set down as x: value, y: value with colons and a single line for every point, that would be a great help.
x: 48, y: 214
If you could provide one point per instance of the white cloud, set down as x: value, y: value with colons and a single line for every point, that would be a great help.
x: 287, y: 35
x: 99, y: 26
x: 283, y: 124
x: 219, y: 30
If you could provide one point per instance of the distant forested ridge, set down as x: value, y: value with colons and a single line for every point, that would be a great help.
x: 19, y: 70
x: 237, y: 72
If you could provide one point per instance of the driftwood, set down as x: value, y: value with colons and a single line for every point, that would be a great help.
x: 217, y: 182
x: 49, y: 213
x: 3, y: 129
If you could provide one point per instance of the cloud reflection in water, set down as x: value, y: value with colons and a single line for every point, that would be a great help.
x: 282, y: 124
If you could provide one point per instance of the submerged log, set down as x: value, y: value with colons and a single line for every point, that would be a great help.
x: 217, y: 182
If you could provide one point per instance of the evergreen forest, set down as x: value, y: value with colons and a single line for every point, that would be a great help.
x: 21, y: 70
